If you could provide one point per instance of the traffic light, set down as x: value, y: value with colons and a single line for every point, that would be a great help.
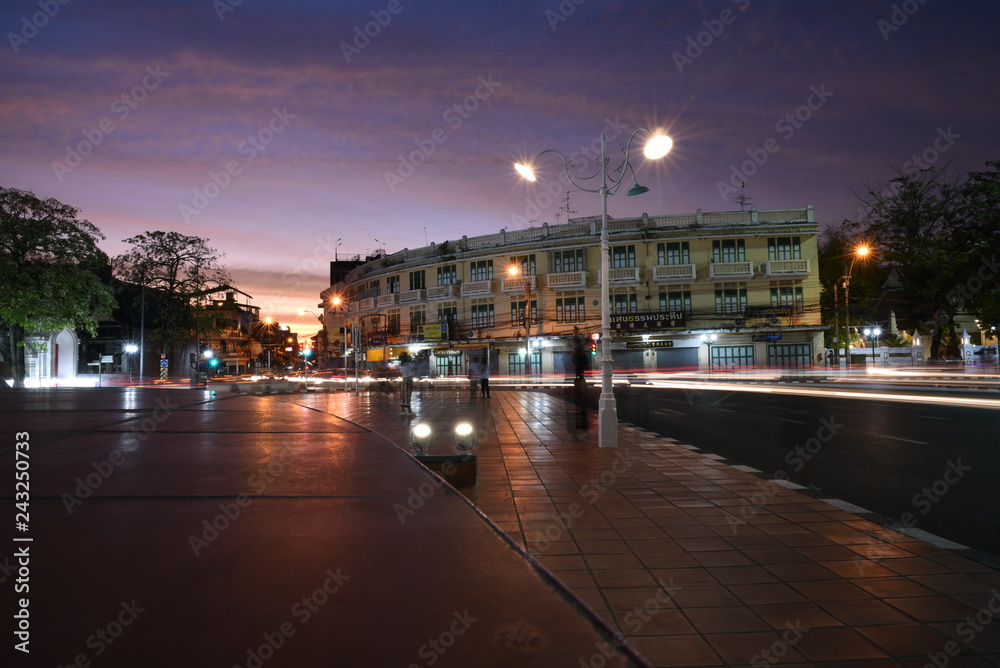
x: 594, y: 338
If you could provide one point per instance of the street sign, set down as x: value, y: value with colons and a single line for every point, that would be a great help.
x: 164, y: 363
x: 767, y: 312
x: 649, y: 344
x: 631, y: 322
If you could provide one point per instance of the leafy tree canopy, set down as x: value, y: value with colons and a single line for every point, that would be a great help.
x: 47, y: 263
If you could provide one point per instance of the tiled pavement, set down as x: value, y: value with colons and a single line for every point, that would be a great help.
x: 696, y: 562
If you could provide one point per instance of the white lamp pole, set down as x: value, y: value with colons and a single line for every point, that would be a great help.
x: 657, y: 147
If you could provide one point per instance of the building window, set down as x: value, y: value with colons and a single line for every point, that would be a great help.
x: 392, y: 322
x: 525, y: 264
x: 676, y: 298
x: 567, y: 260
x: 570, y: 309
x: 418, y: 318
x: 728, y: 250
x: 673, y: 252
x: 730, y: 299
x: 784, y: 248
x: 392, y: 285
x: 624, y: 303
x: 623, y: 257
x: 417, y: 280
x: 482, y: 316
x: 481, y: 270
x: 447, y: 275
x: 517, y: 312
x: 788, y: 296
x: 515, y: 363
x: 375, y: 288
x: 448, y: 315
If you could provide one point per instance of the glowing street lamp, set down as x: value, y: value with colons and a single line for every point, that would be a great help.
x: 612, y: 177
x: 513, y: 272
x: 861, y: 252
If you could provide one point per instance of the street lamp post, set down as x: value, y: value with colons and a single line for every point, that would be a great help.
x: 131, y: 349
x: 708, y: 340
x: 859, y: 252
x: 338, y: 304
x: 514, y: 271
x: 873, y: 334
x: 657, y: 147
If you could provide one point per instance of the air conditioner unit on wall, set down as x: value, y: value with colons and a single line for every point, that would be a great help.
x: 472, y: 334
x: 773, y: 322
x: 739, y: 322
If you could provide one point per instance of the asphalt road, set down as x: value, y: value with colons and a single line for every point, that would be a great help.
x: 927, y: 466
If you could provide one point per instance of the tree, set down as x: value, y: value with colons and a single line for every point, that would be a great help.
x: 47, y: 263
x: 940, y: 231
x: 173, y: 267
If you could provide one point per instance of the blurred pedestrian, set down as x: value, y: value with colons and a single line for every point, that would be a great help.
x: 484, y: 378
x: 406, y: 370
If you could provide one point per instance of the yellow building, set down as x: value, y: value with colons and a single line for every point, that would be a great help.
x: 750, y: 278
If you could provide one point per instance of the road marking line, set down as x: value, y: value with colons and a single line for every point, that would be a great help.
x: 795, y: 421
x: 905, y: 440
x: 931, y: 417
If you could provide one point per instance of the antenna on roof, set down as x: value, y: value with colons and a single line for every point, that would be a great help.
x: 565, y: 207
x: 742, y: 198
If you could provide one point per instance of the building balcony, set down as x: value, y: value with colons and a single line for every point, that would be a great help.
x: 675, y: 273
x: 730, y: 271
x: 477, y: 289
x: 411, y: 296
x: 569, y: 280
x: 519, y: 283
x: 623, y: 276
x: 387, y: 300
x: 786, y: 269
x: 442, y: 292
x: 366, y: 304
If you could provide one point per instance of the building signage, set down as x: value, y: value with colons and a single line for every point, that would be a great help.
x: 635, y: 322
x: 766, y: 337
x: 767, y: 312
x: 649, y: 344
x: 432, y: 332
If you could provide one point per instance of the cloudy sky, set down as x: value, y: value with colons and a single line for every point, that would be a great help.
x: 277, y: 129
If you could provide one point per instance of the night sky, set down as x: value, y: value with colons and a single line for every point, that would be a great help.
x: 273, y: 129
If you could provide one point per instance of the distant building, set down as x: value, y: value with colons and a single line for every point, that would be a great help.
x: 748, y: 277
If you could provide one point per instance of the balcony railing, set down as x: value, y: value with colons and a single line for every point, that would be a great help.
x: 442, y: 292
x: 674, y: 273
x: 518, y: 283
x: 412, y: 296
x: 367, y: 303
x: 622, y: 276
x: 477, y: 288
x: 569, y: 280
x: 786, y: 269
x: 387, y: 300
x: 730, y: 271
